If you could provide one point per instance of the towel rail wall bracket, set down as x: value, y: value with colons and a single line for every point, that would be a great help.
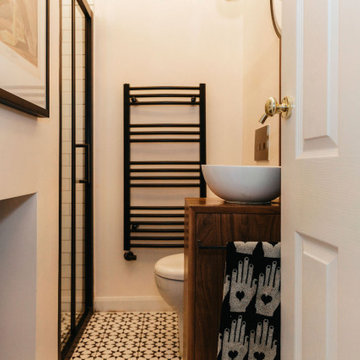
x: 129, y: 256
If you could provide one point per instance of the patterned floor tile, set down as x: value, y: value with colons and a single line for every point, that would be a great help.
x: 130, y: 335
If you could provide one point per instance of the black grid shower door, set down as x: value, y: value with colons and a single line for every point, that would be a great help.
x: 76, y: 174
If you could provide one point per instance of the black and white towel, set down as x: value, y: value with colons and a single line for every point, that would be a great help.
x: 250, y: 314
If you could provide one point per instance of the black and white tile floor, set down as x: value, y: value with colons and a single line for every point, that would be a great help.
x: 130, y: 335
x: 65, y: 326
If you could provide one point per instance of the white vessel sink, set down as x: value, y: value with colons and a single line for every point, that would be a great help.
x: 243, y: 184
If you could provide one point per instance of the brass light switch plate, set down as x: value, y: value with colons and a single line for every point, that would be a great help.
x: 262, y: 143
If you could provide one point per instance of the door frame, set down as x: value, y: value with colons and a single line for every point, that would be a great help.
x: 77, y: 330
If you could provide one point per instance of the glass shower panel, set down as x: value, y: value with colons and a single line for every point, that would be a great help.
x: 65, y: 295
x: 76, y: 279
x: 82, y: 150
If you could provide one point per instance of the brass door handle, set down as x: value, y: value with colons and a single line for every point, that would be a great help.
x: 272, y: 107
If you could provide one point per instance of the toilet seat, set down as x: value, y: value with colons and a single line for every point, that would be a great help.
x: 171, y: 267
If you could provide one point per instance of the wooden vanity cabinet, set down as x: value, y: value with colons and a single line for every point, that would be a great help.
x: 209, y: 225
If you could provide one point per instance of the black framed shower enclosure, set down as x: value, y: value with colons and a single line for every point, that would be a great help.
x: 75, y: 174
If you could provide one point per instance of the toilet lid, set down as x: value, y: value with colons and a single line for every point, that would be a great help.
x: 171, y: 267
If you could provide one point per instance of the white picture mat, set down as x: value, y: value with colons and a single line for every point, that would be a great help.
x: 18, y: 75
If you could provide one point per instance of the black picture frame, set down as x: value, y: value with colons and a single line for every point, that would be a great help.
x: 11, y: 100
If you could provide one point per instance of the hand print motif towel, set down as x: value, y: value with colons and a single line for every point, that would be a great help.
x: 250, y: 314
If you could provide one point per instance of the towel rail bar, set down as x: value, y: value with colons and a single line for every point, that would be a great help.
x: 157, y: 238
x: 165, y: 170
x: 163, y: 88
x: 156, y: 246
x: 164, y: 95
x: 164, y: 140
x: 151, y: 133
x: 165, y: 185
x: 151, y: 230
x: 156, y: 207
x: 165, y: 177
x: 164, y: 125
x: 157, y: 215
x: 172, y: 223
x: 164, y: 163
x: 164, y: 103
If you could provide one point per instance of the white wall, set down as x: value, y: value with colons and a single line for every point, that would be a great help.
x: 261, y: 79
x: 29, y: 164
x: 18, y: 278
x: 164, y: 42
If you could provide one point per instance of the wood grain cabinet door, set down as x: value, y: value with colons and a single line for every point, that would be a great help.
x: 249, y: 227
x: 208, y: 286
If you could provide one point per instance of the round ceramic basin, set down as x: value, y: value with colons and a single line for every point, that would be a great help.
x: 243, y: 184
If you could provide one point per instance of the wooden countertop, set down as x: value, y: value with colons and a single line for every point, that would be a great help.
x: 217, y: 205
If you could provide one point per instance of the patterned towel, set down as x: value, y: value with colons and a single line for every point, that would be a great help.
x: 250, y: 315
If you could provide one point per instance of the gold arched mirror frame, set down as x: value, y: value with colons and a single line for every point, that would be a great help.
x: 276, y: 12
x: 276, y: 16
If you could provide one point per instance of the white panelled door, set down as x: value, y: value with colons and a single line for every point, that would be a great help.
x: 321, y: 181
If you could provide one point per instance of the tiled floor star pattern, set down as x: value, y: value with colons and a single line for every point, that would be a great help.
x: 130, y: 335
x: 65, y: 326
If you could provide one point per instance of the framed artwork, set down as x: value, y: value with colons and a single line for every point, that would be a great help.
x: 24, y: 55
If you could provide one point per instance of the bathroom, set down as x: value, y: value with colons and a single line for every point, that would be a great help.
x: 232, y: 47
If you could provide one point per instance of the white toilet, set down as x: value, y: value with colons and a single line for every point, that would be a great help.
x: 169, y: 276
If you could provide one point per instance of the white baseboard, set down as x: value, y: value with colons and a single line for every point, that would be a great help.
x: 130, y: 303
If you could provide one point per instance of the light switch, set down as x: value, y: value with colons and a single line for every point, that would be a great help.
x: 262, y: 143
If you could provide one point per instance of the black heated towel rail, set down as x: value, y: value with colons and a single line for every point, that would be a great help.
x: 154, y: 226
